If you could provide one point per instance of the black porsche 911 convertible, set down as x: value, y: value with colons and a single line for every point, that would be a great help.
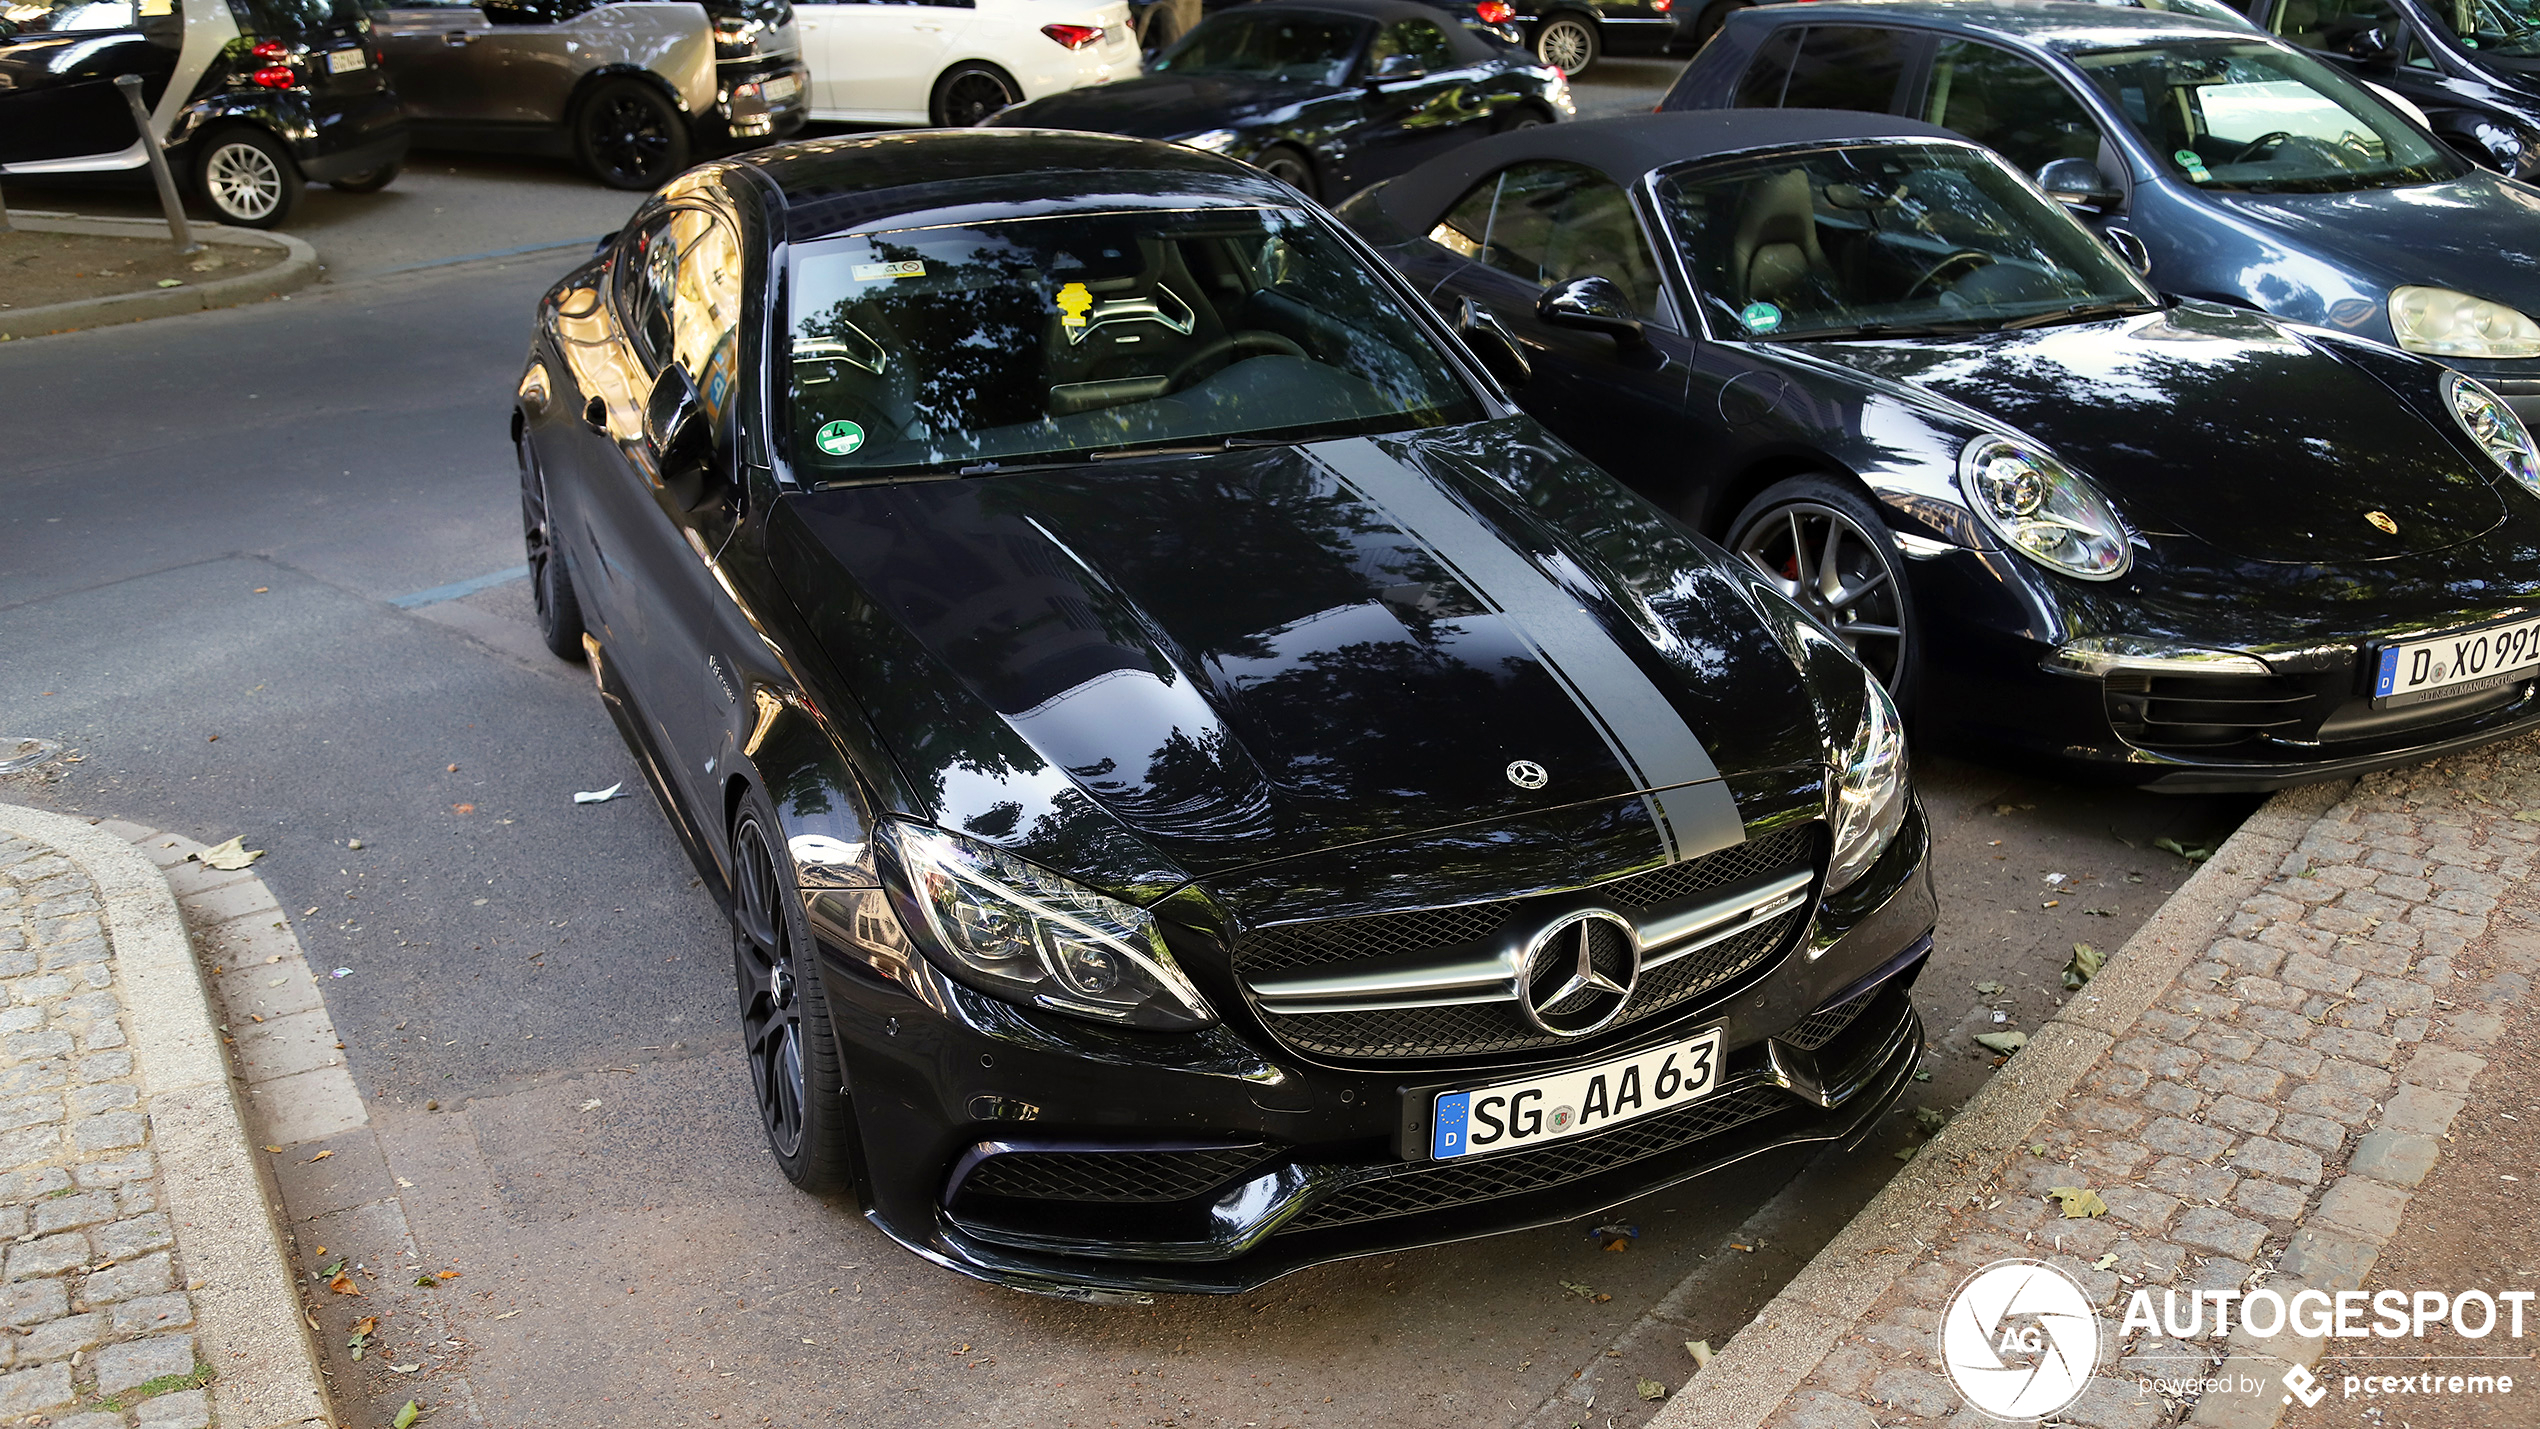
x: 2170, y: 543
x: 1202, y: 784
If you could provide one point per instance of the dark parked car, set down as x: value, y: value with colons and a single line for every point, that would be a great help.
x: 1327, y: 95
x: 1571, y: 35
x: 2472, y: 66
x: 269, y: 96
x: 2250, y: 172
x: 1202, y: 784
x: 1161, y: 22
x: 630, y: 89
x: 2182, y: 544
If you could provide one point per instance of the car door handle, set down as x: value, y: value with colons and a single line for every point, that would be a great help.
x: 595, y: 415
x: 457, y: 37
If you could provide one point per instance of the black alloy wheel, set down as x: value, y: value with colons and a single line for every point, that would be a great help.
x: 550, y: 584
x: 1288, y: 167
x: 629, y: 135
x: 1825, y: 547
x: 369, y: 181
x: 794, y: 1070
x: 971, y: 91
x: 248, y: 178
x: 1567, y: 42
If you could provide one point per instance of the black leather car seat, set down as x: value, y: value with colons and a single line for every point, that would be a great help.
x: 1775, y: 257
x: 1138, y: 328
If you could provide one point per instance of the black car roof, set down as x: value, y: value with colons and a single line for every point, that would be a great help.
x: 827, y: 186
x: 1624, y: 149
x: 2053, y: 24
x: 1384, y: 12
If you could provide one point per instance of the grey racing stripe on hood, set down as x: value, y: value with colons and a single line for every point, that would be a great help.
x: 1688, y: 801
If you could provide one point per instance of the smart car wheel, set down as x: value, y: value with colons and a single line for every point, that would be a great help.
x: 1567, y: 43
x: 369, y: 181
x: 629, y: 136
x: 793, y: 1056
x: 247, y: 178
x: 1288, y: 167
x: 550, y: 584
x: 970, y: 92
x: 1824, y: 547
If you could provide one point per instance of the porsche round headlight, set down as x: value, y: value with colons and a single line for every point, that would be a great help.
x: 2042, y: 510
x: 1865, y: 789
x: 1027, y: 935
x: 2442, y: 323
x: 2494, y: 427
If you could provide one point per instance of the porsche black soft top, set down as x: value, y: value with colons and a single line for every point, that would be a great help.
x: 1624, y: 149
x: 2053, y: 24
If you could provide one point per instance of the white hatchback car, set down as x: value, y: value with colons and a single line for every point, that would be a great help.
x: 955, y: 62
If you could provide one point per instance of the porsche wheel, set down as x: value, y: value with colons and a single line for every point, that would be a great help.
x: 550, y: 584
x: 1288, y: 167
x: 1567, y: 42
x: 794, y: 1071
x: 1823, y: 545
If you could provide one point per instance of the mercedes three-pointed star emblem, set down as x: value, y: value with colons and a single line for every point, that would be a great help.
x: 1527, y: 774
x: 1579, y: 972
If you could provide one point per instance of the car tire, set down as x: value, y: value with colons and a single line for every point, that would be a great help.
x: 1567, y: 41
x: 550, y: 581
x: 1715, y: 15
x: 1289, y: 166
x: 247, y: 177
x: 1864, y: 597
x: 628, y: 135
x: 368, y: 181
x: 971, y: 91
x: 1523, y: 116
x: 796, y: 1078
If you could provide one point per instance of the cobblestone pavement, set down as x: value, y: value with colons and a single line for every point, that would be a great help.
x: 2260, y: 1125
x: 95, y: 1317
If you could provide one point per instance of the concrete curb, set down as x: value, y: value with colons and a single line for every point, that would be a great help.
x: 297, y: 270
x: 1768, y: 1359
x: 248, y: 1317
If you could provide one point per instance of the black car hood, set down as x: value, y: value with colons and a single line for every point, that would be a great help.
x: 1160, y: 106
x: 2471, y: 233
x: 1239, y: 658
x: 2217, y: 424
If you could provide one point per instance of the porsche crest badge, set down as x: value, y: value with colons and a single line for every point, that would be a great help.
x: 2381, y: 522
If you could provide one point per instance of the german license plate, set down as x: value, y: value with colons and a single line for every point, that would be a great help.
x: 2463, y: 662
x: 346, y: 61
x: 784, y: 86
x: 1565, y: 1104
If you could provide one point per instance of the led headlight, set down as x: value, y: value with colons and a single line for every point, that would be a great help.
x: 2495, y: 428
x: 1027, y: 935
x: 1214, y: 141
x: 1866, y: 795
x: 2042, y: 510
x: 2442, y: 323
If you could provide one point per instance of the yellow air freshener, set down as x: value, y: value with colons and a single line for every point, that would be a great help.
x: 1073, y: 303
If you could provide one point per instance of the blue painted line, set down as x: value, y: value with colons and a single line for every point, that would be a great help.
x: 582, y: 243
x: 454, y: 590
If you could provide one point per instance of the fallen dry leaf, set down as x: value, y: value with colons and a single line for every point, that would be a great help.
x: 404, y: 1368
x: 276, y: 1150
x: 2079, y: 1202
x: 464, y: 808
x: 447, y: 1274
x: 321, y: 1156
x: 1651, y: 1390
x: 342, y: 1284
x: 229, y: 857
x: 366, y: 1325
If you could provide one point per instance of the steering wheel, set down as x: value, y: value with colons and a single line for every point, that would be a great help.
x: 2259, y: 145
x: 1260, y: 341
x: 1957, y: 265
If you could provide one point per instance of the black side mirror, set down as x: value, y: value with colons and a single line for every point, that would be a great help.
x: 674, y: 419
x: 2078, y: 183
x: 1491, y: 343
x: 2376, y: 48
x: 1591, y: 304
x: 2131, y: 250
x: 1394, y: 67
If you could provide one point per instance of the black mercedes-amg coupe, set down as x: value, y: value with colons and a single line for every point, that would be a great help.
x: 1202, y: 784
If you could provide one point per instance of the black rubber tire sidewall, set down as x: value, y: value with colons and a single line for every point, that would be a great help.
x: 1302, y: 180
x: 1595, y: 49
x: 210, y: 145
x: 825, y: 1163
x: 935, y: 105
x: 1714, y: 16
x: 557, y: 605
x: 675, y: 152
x: 370, y: 182
x: 1827, y: 491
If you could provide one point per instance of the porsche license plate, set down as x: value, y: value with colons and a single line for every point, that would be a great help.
x: 346, y: 61
x: 1549, y: 1108
x: 2463, y: 662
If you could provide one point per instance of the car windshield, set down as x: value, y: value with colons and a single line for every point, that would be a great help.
x: 2499, y: 27
x: 1299, y: 49
x: 2252, y: 116
x: 2201, y: 9
x: 1071, y: 336
x: 1877, y: 239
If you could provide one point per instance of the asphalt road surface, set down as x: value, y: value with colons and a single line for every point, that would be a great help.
x: 236, y: 561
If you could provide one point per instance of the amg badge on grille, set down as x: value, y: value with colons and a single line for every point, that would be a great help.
x: 1527, y: 774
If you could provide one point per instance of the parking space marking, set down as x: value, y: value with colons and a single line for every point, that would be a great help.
x: 416, y: 599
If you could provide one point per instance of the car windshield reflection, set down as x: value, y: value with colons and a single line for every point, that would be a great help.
x: 1881, y: 240
x: 2251, y: 117
x: 1074, y: 336
x: 1295, y: 49
x: 2502, y: 27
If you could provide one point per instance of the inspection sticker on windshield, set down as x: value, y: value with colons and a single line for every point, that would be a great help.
x: 1563, y: 1104
x: 839, y: 438
x: 884, y: 272
x: 1760, y: 317
x: 2194, y: 163
x: 2464, y: 662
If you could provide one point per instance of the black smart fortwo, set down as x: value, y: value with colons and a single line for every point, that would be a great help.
x: 1201, y: 783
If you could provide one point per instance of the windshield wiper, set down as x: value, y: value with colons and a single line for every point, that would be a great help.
x: 1883, y: 329
x: 1206, y: 448
x: 2075, y: 313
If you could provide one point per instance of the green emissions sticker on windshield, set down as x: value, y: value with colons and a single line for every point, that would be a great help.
x: 1760, y: 317
x: 2193, y: 162
x: 839, y: 438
